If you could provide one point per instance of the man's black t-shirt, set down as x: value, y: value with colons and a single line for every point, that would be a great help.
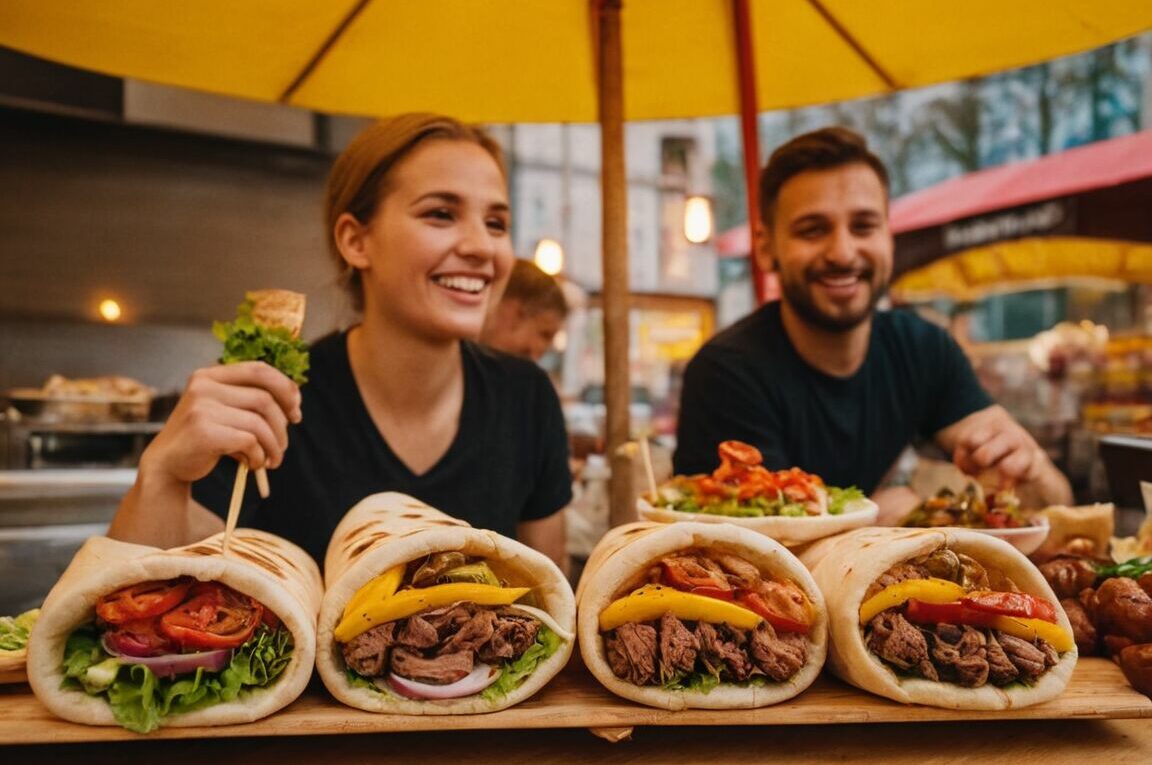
x: 748, y: 383
x: 508, y: 462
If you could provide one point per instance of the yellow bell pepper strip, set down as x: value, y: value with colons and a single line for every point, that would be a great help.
x: 1030, y: 629
x: 930, y: 590
x: 383, y: 586
x: 411, y: 601
x: 653, y: 600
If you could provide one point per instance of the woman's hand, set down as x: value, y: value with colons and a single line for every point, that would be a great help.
x: 240, y: 410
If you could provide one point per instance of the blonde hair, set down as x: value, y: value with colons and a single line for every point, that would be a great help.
x: 358, y: 179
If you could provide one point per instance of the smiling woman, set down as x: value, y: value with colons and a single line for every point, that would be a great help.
x: 418, y: 214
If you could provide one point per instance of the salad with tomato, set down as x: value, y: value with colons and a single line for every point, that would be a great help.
x: 158, y: 648
x: 742, y: 487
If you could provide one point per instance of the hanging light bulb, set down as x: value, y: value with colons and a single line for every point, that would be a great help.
x: 549, y: 256
x: 697, y: 219
x: 109, y: 310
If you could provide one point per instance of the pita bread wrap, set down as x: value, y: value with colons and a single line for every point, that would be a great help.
x: 268, y: 568
x: 391, y: 530
x: 845, y: 568
x: 623, y: 562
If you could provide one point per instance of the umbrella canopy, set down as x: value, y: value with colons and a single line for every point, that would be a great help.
x: 563, y: 61
x: 1080, y: 213
x: 536, y: 60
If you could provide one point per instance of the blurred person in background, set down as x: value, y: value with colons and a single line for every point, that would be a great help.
x: 530, y: 313
x: 820, y: 379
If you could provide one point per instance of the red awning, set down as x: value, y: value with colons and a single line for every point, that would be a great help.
x: 1094, y: 166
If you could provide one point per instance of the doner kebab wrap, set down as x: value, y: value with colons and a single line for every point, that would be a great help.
x: 699, y: 615
x: 141, y: 637
x: 944, y: 617
x: 424, y: 614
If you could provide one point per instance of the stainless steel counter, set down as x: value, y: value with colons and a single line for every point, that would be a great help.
x: 45, y: 515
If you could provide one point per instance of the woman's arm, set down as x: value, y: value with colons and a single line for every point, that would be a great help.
x: 138, y: 519
x: 239, y: 410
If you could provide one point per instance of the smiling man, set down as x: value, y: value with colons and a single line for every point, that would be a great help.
x: 823, y: 381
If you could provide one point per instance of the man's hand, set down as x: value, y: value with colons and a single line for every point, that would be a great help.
x: 895, y: 502
x: 991, y: 440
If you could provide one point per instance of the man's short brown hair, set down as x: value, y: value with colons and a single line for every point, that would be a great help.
x: 536, y: 290
x: 822, y: 149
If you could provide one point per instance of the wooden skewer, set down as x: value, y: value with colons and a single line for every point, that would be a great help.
x: 646, y: 455
x: 234, y: 505
x: 262, y: 483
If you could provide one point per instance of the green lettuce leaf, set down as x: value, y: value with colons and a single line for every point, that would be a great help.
x: 140, y: 701
x: 245, y: 340
x: 14, y: 630
x: 514, y: 672
x: 838, y: 498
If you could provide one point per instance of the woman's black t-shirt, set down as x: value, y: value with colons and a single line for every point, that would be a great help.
x: 508, y: 462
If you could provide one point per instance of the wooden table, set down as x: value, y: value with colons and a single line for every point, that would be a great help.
x: 1022, y: 742
x: 1098, y: 719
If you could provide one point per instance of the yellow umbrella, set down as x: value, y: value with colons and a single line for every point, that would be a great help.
x: 564, y: 61
x: 535, y: 60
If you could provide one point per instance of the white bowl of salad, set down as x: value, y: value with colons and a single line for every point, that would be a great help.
x: 791, y: 506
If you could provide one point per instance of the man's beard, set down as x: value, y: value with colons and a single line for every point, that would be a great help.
x: 799, y: 297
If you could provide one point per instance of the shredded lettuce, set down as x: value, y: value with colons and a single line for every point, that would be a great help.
x: 14, y: 630
x: 514, y: 672
x: 704, y: 682
x: 140, y: 700
x: 245, y: 340
x: 838, y: 498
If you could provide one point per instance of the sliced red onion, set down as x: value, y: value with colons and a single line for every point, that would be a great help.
x: 172, y: 664
x: 481, y: 676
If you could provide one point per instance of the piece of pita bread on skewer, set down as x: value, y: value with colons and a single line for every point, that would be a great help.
x: 270, y: 308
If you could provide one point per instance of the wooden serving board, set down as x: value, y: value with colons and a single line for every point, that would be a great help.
x: 574, y: 699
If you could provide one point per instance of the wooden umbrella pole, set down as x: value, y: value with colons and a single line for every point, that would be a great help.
x: 617, y: 385
x: 749, y: 130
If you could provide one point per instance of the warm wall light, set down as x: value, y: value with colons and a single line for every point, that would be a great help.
x: 549, y: 256
x: 109, y: 310
x: 697, y: 219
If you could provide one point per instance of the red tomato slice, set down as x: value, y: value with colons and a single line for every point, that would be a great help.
x: 139, y: 638
x: 142, y: 601
x: 777, y: 604
x: 739, y: 453
x: 270, y: 620
x: 946, y: 613
x: 215, y: 616
x: 1010, y: 604
x: 719, y: 593
x: 687, y: 573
